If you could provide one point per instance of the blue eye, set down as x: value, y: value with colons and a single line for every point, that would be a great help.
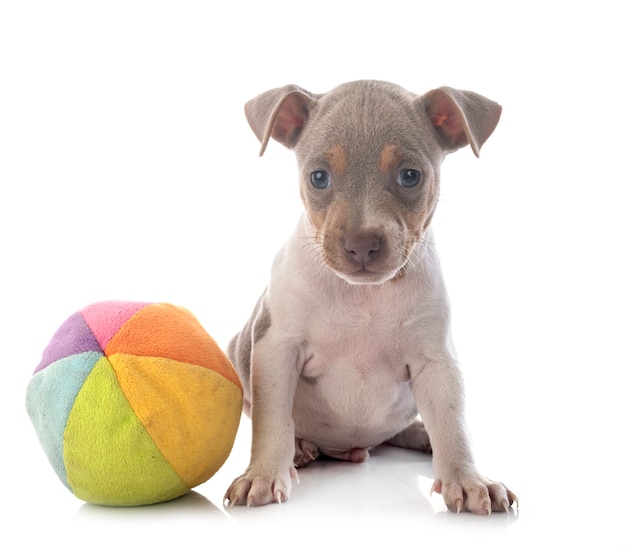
x: 409, y: 177
x: 320, y: 179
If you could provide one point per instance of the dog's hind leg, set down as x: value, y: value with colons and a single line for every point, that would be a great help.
x: 414, y: 436
x: 305, y: 452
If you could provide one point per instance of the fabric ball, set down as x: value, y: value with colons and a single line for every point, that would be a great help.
x: 134, y: 403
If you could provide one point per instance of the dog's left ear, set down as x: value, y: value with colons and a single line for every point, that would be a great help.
x: 460, y: 117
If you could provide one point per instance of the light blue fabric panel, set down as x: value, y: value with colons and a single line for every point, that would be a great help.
x: 50, y: 397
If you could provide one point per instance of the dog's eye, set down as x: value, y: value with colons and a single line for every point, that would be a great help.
x: 320, y: 179
x: 409, y: 177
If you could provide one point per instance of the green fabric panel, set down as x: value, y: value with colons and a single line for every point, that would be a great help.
x: 109, y: 457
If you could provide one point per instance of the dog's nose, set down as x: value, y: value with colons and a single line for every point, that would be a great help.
x: 363, y: 249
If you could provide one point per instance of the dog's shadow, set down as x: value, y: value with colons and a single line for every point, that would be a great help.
x: 392, y: 482
x: 391, y: 477
x: 391, y: 488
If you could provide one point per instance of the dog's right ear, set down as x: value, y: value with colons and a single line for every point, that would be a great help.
x: 280, y: 113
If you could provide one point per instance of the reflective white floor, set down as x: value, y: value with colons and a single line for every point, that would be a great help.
x: 568, y: 499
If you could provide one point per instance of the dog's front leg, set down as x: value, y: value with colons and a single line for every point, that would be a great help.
x: 438, y: 390
x: 273, y: 380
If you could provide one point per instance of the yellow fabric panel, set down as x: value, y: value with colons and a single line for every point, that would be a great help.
x: 191, y: 413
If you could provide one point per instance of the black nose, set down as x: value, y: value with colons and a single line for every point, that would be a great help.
x: 364, y: 248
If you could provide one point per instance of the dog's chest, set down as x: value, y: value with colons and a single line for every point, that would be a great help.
x: 358, y: 342
x: 355, y: 388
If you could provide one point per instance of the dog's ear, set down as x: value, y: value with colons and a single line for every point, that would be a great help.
x: 280, y: 113
x: 461, y: 117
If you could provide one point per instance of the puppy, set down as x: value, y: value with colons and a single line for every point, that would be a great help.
x: 349, y: 346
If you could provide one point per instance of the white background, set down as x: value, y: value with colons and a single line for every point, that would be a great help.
x: 128, y: 171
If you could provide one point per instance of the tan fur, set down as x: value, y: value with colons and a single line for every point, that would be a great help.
x: 349, y: 347
x: 389, y: 157
x: 338, y: 159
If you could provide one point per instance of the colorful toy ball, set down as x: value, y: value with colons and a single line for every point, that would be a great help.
x: 134, y: 403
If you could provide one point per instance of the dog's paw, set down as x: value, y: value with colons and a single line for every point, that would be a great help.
x: 257, y: 490
x: 473, y: 493
x: 306, y: 452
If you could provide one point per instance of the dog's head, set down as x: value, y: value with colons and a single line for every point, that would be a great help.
x: 369, y: 154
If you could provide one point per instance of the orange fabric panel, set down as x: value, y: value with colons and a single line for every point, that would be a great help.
x: 166, y: 330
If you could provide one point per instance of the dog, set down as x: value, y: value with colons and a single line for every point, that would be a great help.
x: 349, y: 346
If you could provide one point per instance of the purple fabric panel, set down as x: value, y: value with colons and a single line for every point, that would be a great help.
x: 73, y: 336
